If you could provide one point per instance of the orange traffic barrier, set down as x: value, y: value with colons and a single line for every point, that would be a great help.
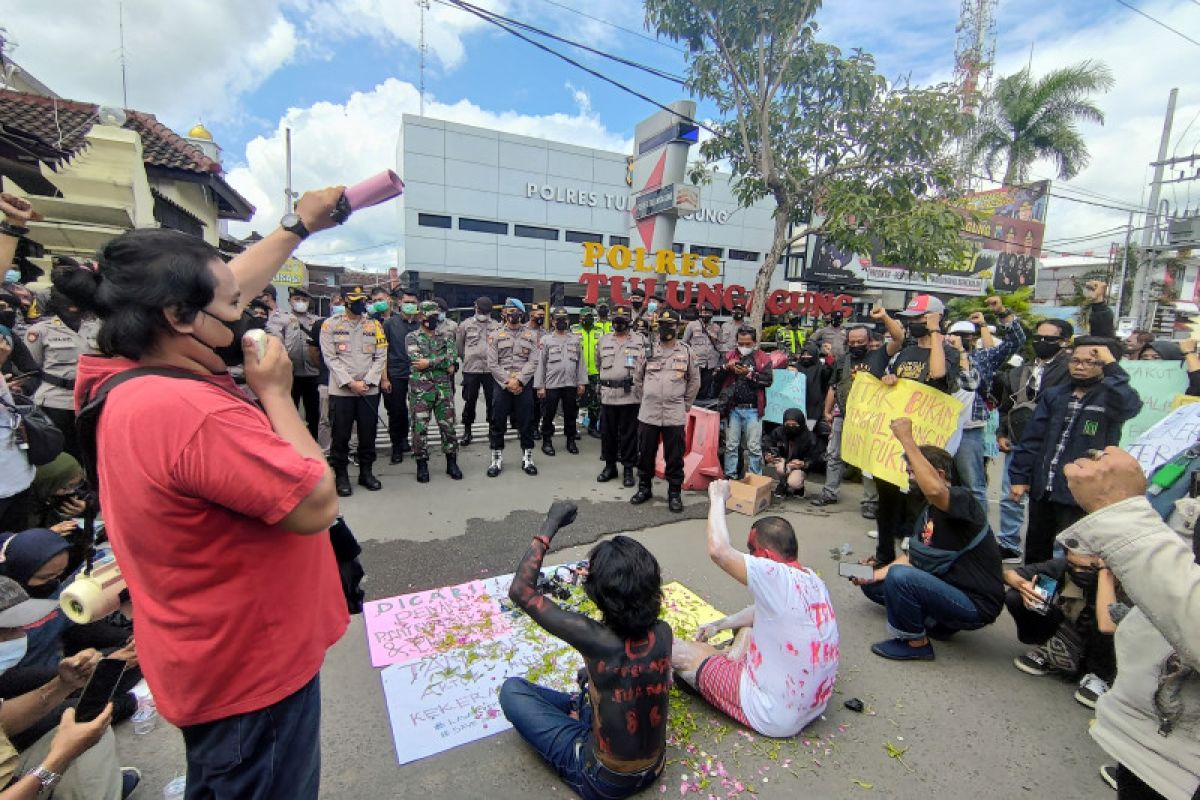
x: 701, y: 453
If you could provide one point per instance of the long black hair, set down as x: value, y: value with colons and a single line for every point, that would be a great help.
x: 625, y: 584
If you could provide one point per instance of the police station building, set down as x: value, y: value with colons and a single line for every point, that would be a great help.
x: 489, y: 213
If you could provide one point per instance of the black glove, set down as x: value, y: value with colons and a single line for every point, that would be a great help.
x: 560, y: 514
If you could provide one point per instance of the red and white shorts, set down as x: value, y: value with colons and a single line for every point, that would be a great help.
x: 720, y: 683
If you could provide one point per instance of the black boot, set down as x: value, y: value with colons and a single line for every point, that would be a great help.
x: 628, y: 477
x: 341, y: 481
x: 422, y: 470
x: 367, y: 479
x: 594, y: 431
x: 675, y: 499
x: 466, y: 437
x: 643, y: 493
x: 607, y: 474
x: 397, y: 455
x: 547, y: 445
x: 572, y: 447
x: 452, y: 467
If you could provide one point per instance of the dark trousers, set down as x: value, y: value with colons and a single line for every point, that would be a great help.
x: 347, y: 414
x: 619, y: 434
x: 569, y: 397
x: 535, y: 412
x: 518, y: 408
x: 672, y: 442
x: 1047, y: 519
x: 64, y: 420
x: 474, y: 384
x: 1131, y: 787
x: 306, y: 391
x: 396, y: 403
x: 1078, y: 648
x: 270, y: 754
x: 708, y: 387
x: 893, y: 519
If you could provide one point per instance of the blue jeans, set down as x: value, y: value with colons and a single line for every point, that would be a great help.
x: 969, y: 461
x: 542, y: 717
x: 270, y: 754
x: 1012, y: 513
x: 916, y: 599
x: 743, y: 423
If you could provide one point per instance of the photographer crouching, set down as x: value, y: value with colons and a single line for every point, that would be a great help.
x: 217, y: 509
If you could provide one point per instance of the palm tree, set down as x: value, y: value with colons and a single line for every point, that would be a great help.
x: 1026, y: 119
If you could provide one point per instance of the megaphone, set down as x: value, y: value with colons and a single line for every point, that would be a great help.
x: 96, y: 592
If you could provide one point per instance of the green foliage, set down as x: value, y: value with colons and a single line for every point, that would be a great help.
x: 1027, y: 119
x: 841, y: 151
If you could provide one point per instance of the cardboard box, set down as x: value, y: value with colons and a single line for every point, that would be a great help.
x: 750, y: 495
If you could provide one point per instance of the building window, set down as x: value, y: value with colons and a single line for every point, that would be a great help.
x: 677, y: 247
x: 615, y: 240
x: 433, y: 221
x: 582, y: 238
x: 482, y: 226
x: 700, y: 250
x: 742, y: 255
x: 531, y: 232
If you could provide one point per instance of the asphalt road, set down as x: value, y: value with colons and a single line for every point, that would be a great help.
x: 969, y: 724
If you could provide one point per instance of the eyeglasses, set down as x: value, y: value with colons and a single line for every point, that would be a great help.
x: 1085, y: 362
x: 1054, y: 339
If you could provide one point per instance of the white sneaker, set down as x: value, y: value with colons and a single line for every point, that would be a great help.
x: 1090, y: 689
x: 904, y: 544
x: 872, y: 534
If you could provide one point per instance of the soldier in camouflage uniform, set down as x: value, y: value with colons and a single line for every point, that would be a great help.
x: 431, y: 391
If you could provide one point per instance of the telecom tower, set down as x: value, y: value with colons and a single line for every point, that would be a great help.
x: 974, y: 54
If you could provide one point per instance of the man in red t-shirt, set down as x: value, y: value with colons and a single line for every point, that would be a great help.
x: 218, y: 511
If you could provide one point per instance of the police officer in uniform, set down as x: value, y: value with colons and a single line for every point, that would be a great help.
x: 703, y: 336
x: 666, y: 382
x: 617, y: 355
x: 431, y: 391
x: 603, y: 317
x: 355, y: 352
x: 471, y: 340
x: 296, y: 328
x: 512, y: 360
x: 729, y: 330
x: 536, y: 322
x: 561, y: 376
x: 791, y: 336
x: 590, y: 332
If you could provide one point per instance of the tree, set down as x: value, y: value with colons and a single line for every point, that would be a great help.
x: 1025, y: 120
x: 843, y: 152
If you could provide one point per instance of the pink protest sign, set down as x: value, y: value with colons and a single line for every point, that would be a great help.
x: 412, y: 626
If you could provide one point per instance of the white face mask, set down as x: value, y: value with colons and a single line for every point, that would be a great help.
x: 483, y: 317
x: 11, y: 653
x: 300, y: 307
x: 745, y: 350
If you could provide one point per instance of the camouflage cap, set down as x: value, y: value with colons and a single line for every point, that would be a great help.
x: 428, y: 307
x: 587, y: 311
x: 559, y: 311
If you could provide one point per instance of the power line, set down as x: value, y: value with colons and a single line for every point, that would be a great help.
x: 1160, y: 23
x: 638, y: 34
x: 348, y: 252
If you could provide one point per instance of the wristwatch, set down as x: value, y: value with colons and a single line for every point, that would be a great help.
x: 293, y: 224
x: 47, y: 778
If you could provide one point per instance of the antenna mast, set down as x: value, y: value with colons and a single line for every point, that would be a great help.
x: 121, y: 26
x: 974, y: 55
x: 424, y: 6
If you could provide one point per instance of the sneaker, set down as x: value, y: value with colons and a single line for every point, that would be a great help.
x: 1090, y: 689
x: 900, y: 650
x: 1010, y: 555
x: 1034, y: 662
x: 1108, y: 773
x: 822, y: 500
x: 130, y: 778
x: 872, y: 534
x: 869, y: 511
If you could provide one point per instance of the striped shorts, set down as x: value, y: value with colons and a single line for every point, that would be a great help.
x: 719, y: 681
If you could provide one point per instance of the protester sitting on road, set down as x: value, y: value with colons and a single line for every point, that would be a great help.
x: 609, y: 741
x: 780, y: 676
x: 790, y: 449
x: 1086, y: 414
x: 1073, y: 627
x: 74, y: 761
x: 1148, y: 719
x: 951, y: 573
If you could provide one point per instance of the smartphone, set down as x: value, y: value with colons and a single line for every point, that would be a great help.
x: 99, y: 690
x: 861, y: 571
x: 1046, y: 587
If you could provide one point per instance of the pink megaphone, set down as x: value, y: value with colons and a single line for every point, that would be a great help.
x: 374, y: 190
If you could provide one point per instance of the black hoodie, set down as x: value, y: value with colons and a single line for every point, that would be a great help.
x: 803, y: 445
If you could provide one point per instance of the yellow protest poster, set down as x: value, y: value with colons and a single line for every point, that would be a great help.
x: 867, y: 440
x: 1183, y: 400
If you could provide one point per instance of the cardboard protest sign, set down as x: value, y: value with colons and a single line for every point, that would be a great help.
x: 787, y: 390
x: 1183, y: 400
x: 1177, y: 431
x: 1157, y: 383
x: 867, y: 440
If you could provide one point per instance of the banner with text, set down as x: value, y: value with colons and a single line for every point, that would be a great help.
x: 1158, y: 383
x: 787, y: 390
x: 1173, y: 433
x: 867, y: 440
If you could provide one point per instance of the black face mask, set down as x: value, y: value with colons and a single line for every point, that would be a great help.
x: 739, y: 315
x: 706, y: 318
x: 562, y: 324
x: 44, y: 591
x: 432, y: 321
x: 1086, y: 383
x: 513, y: 319
x: 807, y: 358
x: 232, y: 353
x: 836, y: 322
x: 603, y: 312
x: 1046, y: 350
x: 8, y: 318
x: 1085, y: 579
x: 666, y: 332
x: 918, y: 330
x: 859, y: 351
x: 795, y: 323
x: 791, y: 432
x: 620, y: 324
x: 358, y: 307
x: 638, y: 303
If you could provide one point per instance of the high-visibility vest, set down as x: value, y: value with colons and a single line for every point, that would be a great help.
x: 590, y: 340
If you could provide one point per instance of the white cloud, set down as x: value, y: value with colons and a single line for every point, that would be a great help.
x: 340, y: 143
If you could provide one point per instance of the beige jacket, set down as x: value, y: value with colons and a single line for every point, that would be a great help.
x: 666, y: 383
x: 560, y: 362
x: 354, y: 350
x: 1158, y: 571
x: 56, y: 348
x: 513, y: 353
x: 701, y: 341
x: 471, y: 341
x: 616, y: 358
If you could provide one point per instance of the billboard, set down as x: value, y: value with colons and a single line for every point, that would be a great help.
x: 1008, y: 236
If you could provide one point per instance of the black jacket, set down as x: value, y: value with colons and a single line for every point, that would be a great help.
x: 1015, y: 408
x: 803, y: 446
x: 396, y: 328
x: 1101, y: 322
x: 1103, y: 413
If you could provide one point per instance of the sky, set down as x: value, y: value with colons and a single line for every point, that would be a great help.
x: 341, y: 73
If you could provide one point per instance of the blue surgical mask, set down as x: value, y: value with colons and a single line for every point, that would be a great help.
x: 12, y: 276
x: 11, y: 653
x: 333, y: 310
x: 652, y: 306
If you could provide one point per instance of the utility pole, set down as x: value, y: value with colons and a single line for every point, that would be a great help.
x: 1124, y: 265
x: 1141, y: 310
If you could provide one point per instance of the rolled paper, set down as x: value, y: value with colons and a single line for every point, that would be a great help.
x: 374, y: 190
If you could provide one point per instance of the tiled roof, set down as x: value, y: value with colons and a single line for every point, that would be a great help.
x: 62, y: 124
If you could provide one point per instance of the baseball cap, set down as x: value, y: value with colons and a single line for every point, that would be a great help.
x: 923, y: 304
x: 964, y: 326
x: 17, y: 610
x: 300, y: 291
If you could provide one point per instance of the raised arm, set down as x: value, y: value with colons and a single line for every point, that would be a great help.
x: 892, y: 326
x: 17, y: 212
x: 933, y: 486
x: 720, y: 550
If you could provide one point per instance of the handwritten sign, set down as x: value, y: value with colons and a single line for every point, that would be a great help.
x: 411, y: 626
x: 1183, y: 400
x: 1174, y: 433
x: 1157, y: 383
x: 787, y: 390
x: 867, y: 440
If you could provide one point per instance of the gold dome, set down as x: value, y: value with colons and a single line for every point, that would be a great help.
x: 198, y: 131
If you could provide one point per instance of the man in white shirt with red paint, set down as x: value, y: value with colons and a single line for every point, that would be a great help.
x: 779, y: 674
